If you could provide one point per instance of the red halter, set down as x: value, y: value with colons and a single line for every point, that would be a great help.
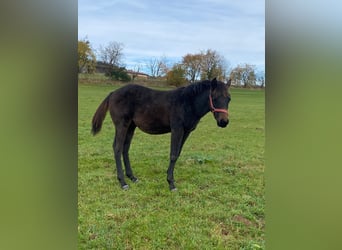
x: 213, y: 109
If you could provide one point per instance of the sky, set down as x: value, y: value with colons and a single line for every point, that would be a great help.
x: 171, y: 29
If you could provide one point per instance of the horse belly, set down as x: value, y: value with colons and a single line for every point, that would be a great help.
x: 154, y: 130
x: 153, y: 125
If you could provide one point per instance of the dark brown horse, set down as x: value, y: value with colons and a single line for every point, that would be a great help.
x: 158, y: 112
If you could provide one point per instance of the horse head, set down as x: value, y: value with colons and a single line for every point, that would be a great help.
x: 219, y: 98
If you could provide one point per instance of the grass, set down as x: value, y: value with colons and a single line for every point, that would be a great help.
x: 220, y: 199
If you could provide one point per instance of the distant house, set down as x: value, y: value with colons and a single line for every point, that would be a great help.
x: 102, y: 67
x: 134, y: 74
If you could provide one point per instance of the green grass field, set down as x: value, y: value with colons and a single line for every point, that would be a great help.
x: 220, y: 179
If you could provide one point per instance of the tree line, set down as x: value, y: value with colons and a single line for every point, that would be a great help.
x: 203, y: 65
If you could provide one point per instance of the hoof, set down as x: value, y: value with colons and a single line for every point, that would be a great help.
x: 125, y: 187
x: 173, y: 189
x: 134, y: 179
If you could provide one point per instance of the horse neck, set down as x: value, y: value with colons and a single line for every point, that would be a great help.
x: 201, y: 103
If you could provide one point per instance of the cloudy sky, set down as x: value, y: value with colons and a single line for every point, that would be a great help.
x: 155, y: 28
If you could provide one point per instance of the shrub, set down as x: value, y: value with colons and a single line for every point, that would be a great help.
x: 120, y: 74
x: 176, y: 76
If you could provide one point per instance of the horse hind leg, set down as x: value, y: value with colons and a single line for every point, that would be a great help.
x: 127, y: 144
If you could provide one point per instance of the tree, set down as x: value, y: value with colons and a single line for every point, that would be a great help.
x: 261, y: 79
x: 213, y: 65
x: 244, y: 75
x: 157, y: 66
x: 86, y: 57
x: 111, y: 54
x: 192, y: 66
x: 154, y: 66
x: 176, y: 76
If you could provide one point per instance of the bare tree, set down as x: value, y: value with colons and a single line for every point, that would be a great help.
x: 152, y: 65
x: 111, y: 54
x: 157, y: 66
x: 261, y: 79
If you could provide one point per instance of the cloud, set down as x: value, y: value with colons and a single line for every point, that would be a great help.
x: 154, y: 28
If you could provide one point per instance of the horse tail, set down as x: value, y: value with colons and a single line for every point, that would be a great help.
x: 100, y: 115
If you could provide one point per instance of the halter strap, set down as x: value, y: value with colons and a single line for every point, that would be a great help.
x: 213, y: 109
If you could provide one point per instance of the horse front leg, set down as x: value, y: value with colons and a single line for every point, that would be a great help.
x: 176, y: 145
x: 120, y: 135
x: 127, y: 143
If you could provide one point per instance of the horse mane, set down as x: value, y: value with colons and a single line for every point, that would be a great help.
x: 196, y: 88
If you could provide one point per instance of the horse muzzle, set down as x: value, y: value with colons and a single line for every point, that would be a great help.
x: 222, y: 123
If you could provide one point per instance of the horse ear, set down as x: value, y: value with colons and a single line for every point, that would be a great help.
x: 214, y: 83
x: 229, y: 82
